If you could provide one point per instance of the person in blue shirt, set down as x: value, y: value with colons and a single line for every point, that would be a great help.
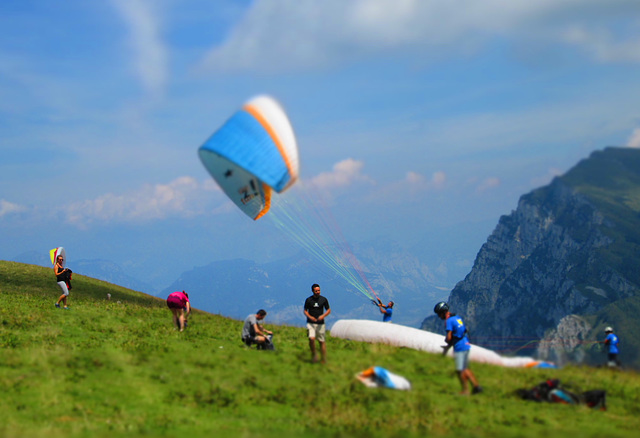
x: 387, y: 311
x: 612, y: 341
x: 457, y: 338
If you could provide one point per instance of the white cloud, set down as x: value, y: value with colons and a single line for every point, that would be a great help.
x: 150, y: 55
x: 437, y: 181
x: 414, y: 178
x: 182, y: 197
x: 7, y: 208
x: 564, y: 121
x: 634, y: 140
x: 603, y: 45
x: 278, y: 35
x: 400, y: 191
x: 345, y: 173
x: 488, y: 184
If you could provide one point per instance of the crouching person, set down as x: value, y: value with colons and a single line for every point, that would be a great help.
x: 253, y: 332
x: 179, y: 303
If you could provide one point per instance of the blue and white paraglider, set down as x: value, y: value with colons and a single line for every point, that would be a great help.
x: 254, y: 152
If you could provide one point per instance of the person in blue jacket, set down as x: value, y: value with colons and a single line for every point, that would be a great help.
x: 612, y: 341
x: 387, y: 311
x: 457, y: 338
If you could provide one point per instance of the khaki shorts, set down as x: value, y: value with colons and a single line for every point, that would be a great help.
x: 316, y: 331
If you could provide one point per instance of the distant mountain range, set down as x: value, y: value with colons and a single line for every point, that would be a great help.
x: 550, y: 277
x: 236, y: 288
x: 101, y: 269
x: 561, y: 267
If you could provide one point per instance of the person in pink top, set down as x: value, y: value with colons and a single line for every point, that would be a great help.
x: 178, y: 302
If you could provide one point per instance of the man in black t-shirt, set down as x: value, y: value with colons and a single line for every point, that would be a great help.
x: 316, y: 309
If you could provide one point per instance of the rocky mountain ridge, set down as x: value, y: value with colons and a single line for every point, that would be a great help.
x: 561, y: 266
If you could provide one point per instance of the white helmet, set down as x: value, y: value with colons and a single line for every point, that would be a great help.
x: 608, y: 330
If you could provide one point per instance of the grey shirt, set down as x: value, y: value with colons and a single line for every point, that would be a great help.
x: 248, y: 329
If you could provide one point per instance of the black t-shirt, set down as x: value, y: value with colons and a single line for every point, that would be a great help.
x: 316, y: 306
x: 62, y: 276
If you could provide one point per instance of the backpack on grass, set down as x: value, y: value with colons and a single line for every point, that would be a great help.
x: 552, y: 391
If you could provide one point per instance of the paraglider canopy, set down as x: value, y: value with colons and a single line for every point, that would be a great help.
x: 376, y: 377
x: 254, y: 152
x: 55, y: 252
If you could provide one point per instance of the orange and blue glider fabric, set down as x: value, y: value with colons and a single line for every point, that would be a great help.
x: 254, y: 152
x: 541, y: 364
x: 376, y: 377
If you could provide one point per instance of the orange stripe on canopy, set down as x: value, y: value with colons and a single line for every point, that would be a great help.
x: 267, y: 201
x: 255, y: 113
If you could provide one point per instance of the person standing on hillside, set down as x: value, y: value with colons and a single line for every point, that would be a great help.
x: 60, y: 273
x: 253, y: 332
x: 387, y: 311
x: 316, y: 309
x: 457, y: 338
x: 612, y: 341
x: 178, y: 302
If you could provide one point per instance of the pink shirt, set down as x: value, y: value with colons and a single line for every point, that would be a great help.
x: 181, y: 296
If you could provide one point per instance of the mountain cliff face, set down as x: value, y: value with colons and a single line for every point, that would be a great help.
x: 561, y: 266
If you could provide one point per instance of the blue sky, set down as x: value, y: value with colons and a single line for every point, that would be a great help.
x: 412, y: 116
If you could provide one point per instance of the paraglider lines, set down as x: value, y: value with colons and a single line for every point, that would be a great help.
x: 515, y: 344
x: 301, y: 219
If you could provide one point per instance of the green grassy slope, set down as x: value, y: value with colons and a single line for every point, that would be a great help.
x: 109, y: 368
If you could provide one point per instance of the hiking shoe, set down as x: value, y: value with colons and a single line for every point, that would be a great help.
x: 65, y: 308
x: 58, y: 305
x: 476, y: 390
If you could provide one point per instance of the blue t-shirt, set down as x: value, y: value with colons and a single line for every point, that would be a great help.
x: 386, y: 317
x: 455, y: 325
x: 612, y: 343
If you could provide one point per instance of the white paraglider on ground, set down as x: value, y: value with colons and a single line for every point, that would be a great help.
x: 409, y: 337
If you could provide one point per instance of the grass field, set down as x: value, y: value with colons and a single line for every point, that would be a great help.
x: 118, y: 367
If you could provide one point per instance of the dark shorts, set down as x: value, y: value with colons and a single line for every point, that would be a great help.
x: 175, y: 303
x: 249, y: 341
